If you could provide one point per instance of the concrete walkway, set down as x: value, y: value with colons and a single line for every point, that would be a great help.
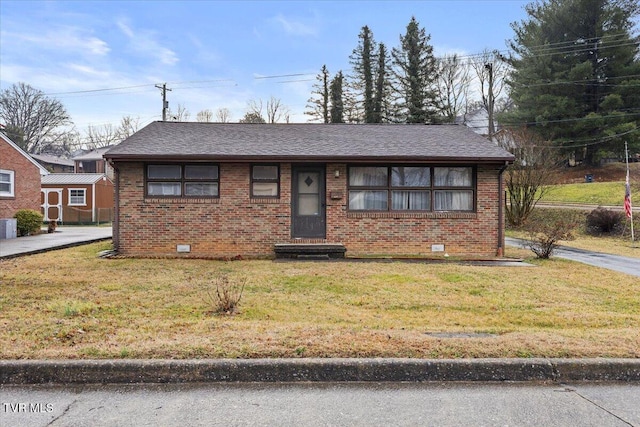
x: 63, y: 237
x: 619, y: 263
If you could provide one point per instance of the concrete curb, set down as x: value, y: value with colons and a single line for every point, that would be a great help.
x: 320, y: 370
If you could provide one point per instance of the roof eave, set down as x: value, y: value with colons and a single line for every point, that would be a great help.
x: 303, y: 159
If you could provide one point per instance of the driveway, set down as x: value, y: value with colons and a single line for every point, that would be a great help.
x: 63, y: 237
x: 619, y: 263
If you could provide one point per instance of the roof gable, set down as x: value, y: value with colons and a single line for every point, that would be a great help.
x: 13, y: 145
x: 307, y: 142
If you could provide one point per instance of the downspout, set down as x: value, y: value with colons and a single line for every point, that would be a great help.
x: 115, y: 229
x: 501, y: 210
x: 93, y: 203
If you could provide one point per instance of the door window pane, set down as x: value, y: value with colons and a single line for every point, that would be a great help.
x: 368, y: 176
x: 308, y: 204
x: 308, y: 182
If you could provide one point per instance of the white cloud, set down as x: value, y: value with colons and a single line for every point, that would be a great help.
x: 88, y: 71
x: 64, y: 39
x: 294, y: 27
x: 144, y: 42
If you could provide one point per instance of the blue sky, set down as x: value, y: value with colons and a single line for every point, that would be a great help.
x: 215, y: 54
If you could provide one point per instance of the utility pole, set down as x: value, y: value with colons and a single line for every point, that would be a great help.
x: 491, y: 130
x: 165, y: 103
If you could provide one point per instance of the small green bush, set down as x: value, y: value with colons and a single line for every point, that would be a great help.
x: 28, y: 221
x: 604, y: 221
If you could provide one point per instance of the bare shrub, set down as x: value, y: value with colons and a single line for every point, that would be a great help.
x: 544, y: 235
x: 227, y: 295
x: 527, y: 179
x: 604, y: 221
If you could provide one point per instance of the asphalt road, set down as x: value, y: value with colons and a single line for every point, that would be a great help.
x: 622, y: 264
x: 323, y: 404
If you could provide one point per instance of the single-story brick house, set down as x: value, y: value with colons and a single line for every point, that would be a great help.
x: 19, y: 179
x: 77, y: 198
x: 223, y: 190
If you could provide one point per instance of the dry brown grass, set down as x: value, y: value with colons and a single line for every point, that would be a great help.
x: 70, y: 304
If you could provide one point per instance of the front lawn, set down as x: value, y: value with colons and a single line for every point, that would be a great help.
x: 70, y: 304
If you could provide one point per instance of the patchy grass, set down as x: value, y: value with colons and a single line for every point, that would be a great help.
x: 70, y: 304
x: 595, y: 193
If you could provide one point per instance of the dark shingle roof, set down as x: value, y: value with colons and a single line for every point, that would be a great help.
x: 307, y: 142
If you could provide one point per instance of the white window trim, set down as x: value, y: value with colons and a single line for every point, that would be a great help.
x: 84, y: 197
x: 12, y: 184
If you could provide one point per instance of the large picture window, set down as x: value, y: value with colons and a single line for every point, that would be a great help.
x: 411, y: 188
x: 265, y: 181
x: 182, y: 180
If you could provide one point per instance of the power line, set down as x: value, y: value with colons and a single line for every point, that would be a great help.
x: 580, y: 143
x: 283, y: 75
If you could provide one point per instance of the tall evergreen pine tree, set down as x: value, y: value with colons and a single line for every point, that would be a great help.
x: 575, y: 68
x: 335, y: 93
x: 363, y: 63
x: 415, y: 73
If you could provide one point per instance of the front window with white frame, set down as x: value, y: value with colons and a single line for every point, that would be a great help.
x: 77, y: 197
x: 7, y: 183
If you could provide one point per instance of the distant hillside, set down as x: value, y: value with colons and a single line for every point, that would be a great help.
x: 607, y: 173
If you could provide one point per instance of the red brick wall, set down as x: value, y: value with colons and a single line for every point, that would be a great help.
x: 235, y: 224
x: 27, y: 182
x: 381, y: 233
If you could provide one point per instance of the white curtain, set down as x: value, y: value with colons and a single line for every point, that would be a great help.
x: 410, y: 200
x: 368, y: 200
x: 453, y: 200
x: 370, y: 176
x: 163, y: 188
x: 452, y: 177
